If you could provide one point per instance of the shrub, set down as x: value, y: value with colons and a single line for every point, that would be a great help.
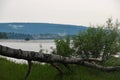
x: 63, y: 47
x: 100, y: 42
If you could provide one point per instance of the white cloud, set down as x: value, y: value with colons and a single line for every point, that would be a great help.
x: 15, y: 26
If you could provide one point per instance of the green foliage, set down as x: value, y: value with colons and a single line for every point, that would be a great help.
x: 96, y: 42
x: 3, y: 35
x: 12, y: 71
x: 63, y: 47
x: 90, y: 43
x: 102, y: 41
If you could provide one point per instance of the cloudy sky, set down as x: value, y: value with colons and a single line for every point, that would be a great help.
x: 76, y: 12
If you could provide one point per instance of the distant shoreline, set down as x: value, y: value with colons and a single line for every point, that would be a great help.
x: 21, y: 40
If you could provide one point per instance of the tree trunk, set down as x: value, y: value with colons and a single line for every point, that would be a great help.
x: 51, y: 58
x: 41, y: 57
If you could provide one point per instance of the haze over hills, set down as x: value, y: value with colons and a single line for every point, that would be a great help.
x: 38, y: 29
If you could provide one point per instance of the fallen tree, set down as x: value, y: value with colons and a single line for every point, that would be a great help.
x: 52, y: 59
x: 86, y: 49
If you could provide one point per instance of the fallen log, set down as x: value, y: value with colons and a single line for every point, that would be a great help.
x: 41, y: 57
x: 51, y: 58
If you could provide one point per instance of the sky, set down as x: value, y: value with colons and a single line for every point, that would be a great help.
x: 75, y: 12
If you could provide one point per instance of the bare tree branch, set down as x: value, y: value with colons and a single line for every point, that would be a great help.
x: 41, y: 57
x: 52, y: 59
x: 29, y: 69
x: 107, y: 69
x: 57, y: 67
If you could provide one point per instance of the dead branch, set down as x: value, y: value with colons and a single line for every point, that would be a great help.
x: 52, y: 59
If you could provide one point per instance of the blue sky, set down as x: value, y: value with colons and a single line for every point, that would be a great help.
x: 75, y: 12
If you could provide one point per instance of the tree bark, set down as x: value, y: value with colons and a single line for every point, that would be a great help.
x: 41, y: 57
x: 51, y: 58
x: 107, y: 69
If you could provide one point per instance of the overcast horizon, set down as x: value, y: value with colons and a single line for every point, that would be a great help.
x: 72, y: 12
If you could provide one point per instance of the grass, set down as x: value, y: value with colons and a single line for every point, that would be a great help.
x: 12, y: 71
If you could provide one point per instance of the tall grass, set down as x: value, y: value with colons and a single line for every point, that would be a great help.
x: 12, y: 71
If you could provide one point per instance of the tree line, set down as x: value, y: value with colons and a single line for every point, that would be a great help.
x: 3, y: 35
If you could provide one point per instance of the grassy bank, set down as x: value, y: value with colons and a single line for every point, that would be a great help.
x: 12, y: 71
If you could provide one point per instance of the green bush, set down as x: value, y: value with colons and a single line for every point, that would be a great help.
x: 63, y: 47
x: 3, y: 35
x: 102, y: 41
x: 95, y: 42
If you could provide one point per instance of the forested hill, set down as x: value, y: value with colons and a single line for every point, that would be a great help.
x: 40, y: 28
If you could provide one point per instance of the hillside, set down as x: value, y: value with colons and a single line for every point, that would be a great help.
x: 41, y: 28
